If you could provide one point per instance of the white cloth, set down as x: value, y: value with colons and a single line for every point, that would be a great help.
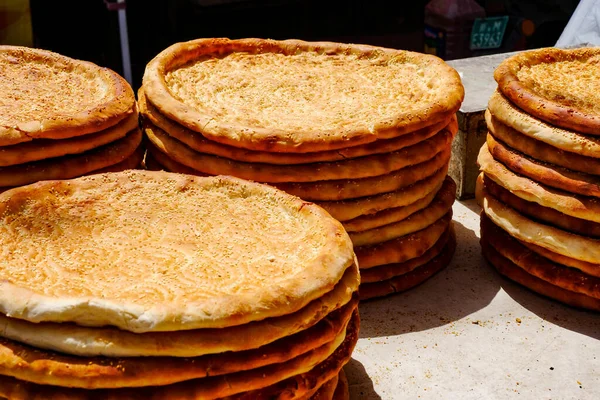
x: 583, y: 27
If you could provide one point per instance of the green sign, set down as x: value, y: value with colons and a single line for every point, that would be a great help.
x: 488, y: 33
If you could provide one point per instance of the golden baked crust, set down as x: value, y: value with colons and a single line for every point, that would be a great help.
x: 155, y: 251
x: 113, y: 342
x: 536, y: 265
x: 324, y: 392
x: 413, y: 278
x: 74, y: 165
x: 588, y: 268
x: 388, y: 271
x: 47, y: 95
x: 547, y: 174
x: 559, y: 86
x: 441, y: 204
x: 295, y: 96
x: 199, y: 143
x: 297, y: 377
x: 507, y: 268
x: 541, y: 151
x: 50, y: 368
x: 356, y: 168
x: 587, y: 208
x: 509, y: 114
x: 403, y: 248
x: 358, y: 212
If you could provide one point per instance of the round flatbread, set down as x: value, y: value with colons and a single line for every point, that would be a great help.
x: 47, y: 95
x: 540, y: 213
x: 559, y: 86
x: 411, y: 279
x: 547, y: 174
x: 519, y: 275
x: 588, y: 268
x: 363, y: 167
x: 403, y: 248
x: 342, y: 391
x: 586, y: 208
x: 294, y: 96
x: 536, y: 265
x: 527, y: 230
x: 71, y: 166
x: 199, y: 143
x: 510, y: 115
x: 440, y: 206
x: 154, y: 251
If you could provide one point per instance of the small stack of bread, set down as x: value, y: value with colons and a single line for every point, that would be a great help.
x: 540, y: 183
x: 153, y: 285
x: 364, y: 132
x: 61, y: 118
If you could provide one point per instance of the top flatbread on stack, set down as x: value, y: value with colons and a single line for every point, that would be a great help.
x: 540, y: 182
x: 188, y: 287
x: 364, y: 131
x: 61, y: 117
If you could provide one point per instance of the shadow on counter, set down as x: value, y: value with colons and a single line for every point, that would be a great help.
x: 574, y: 319
x: 464, y: 287
x: 359, y: 383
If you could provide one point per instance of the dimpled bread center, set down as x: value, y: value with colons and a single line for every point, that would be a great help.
x: 572, y: 83
x: 157, y: 243
x: 33, y: 90
x: 304, y: 91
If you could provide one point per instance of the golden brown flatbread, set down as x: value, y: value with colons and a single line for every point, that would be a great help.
x: 556, y: 85
x: 294, y: 96
x: 558, y: 275
x: 342, y: 390
x: 48, y: 95
x: 244, y: 256
x: 589, y: 268
x: 403, y: 248
x: 201, y: 144
x: 519, y: 275
x: 441, y: 204
x: 411, y: 279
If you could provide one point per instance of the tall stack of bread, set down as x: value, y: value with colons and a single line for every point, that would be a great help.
x: 61, y: 118
x: 364, y: 132
x: 153, y: 285
x: 540, y: 182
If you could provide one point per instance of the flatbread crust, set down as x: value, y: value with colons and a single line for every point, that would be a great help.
x: 547, y: 174
x: 299, y: 96
x: 199, y: 143
x: 588, y: 268
x: 583, y: 207
x: 543, y: 214
x: 51, y: 96
x: 411, y: 279
x: 519, y: 275
x: 337, y: 190
x: 266, y: 268
x: 50, y: 368
x: 440, y: 206
x: 255, y: 384
x: 509, y: 114
x: 71, y: 166
x: 536, y: 265
x: 389, y: 271
x: 112, y: 342
x: 553, y: 239
x: 342, y: 391
x: 559, y: 86
x: 363, y: 167
x: 325, y: 392
x: 403, y: 248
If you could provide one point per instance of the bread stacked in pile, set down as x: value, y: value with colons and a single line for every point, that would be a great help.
x: 153, y: 285
x: 364, y: 132
x: 61, y: 118
x: 539, y: 185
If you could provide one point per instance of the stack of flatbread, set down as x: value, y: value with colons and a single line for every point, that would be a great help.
x: 364, y: 132
x: 62, y: 118
x: 153, y: 285
x: 540, y: 181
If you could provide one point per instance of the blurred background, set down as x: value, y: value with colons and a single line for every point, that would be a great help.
x: 451, y: 29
